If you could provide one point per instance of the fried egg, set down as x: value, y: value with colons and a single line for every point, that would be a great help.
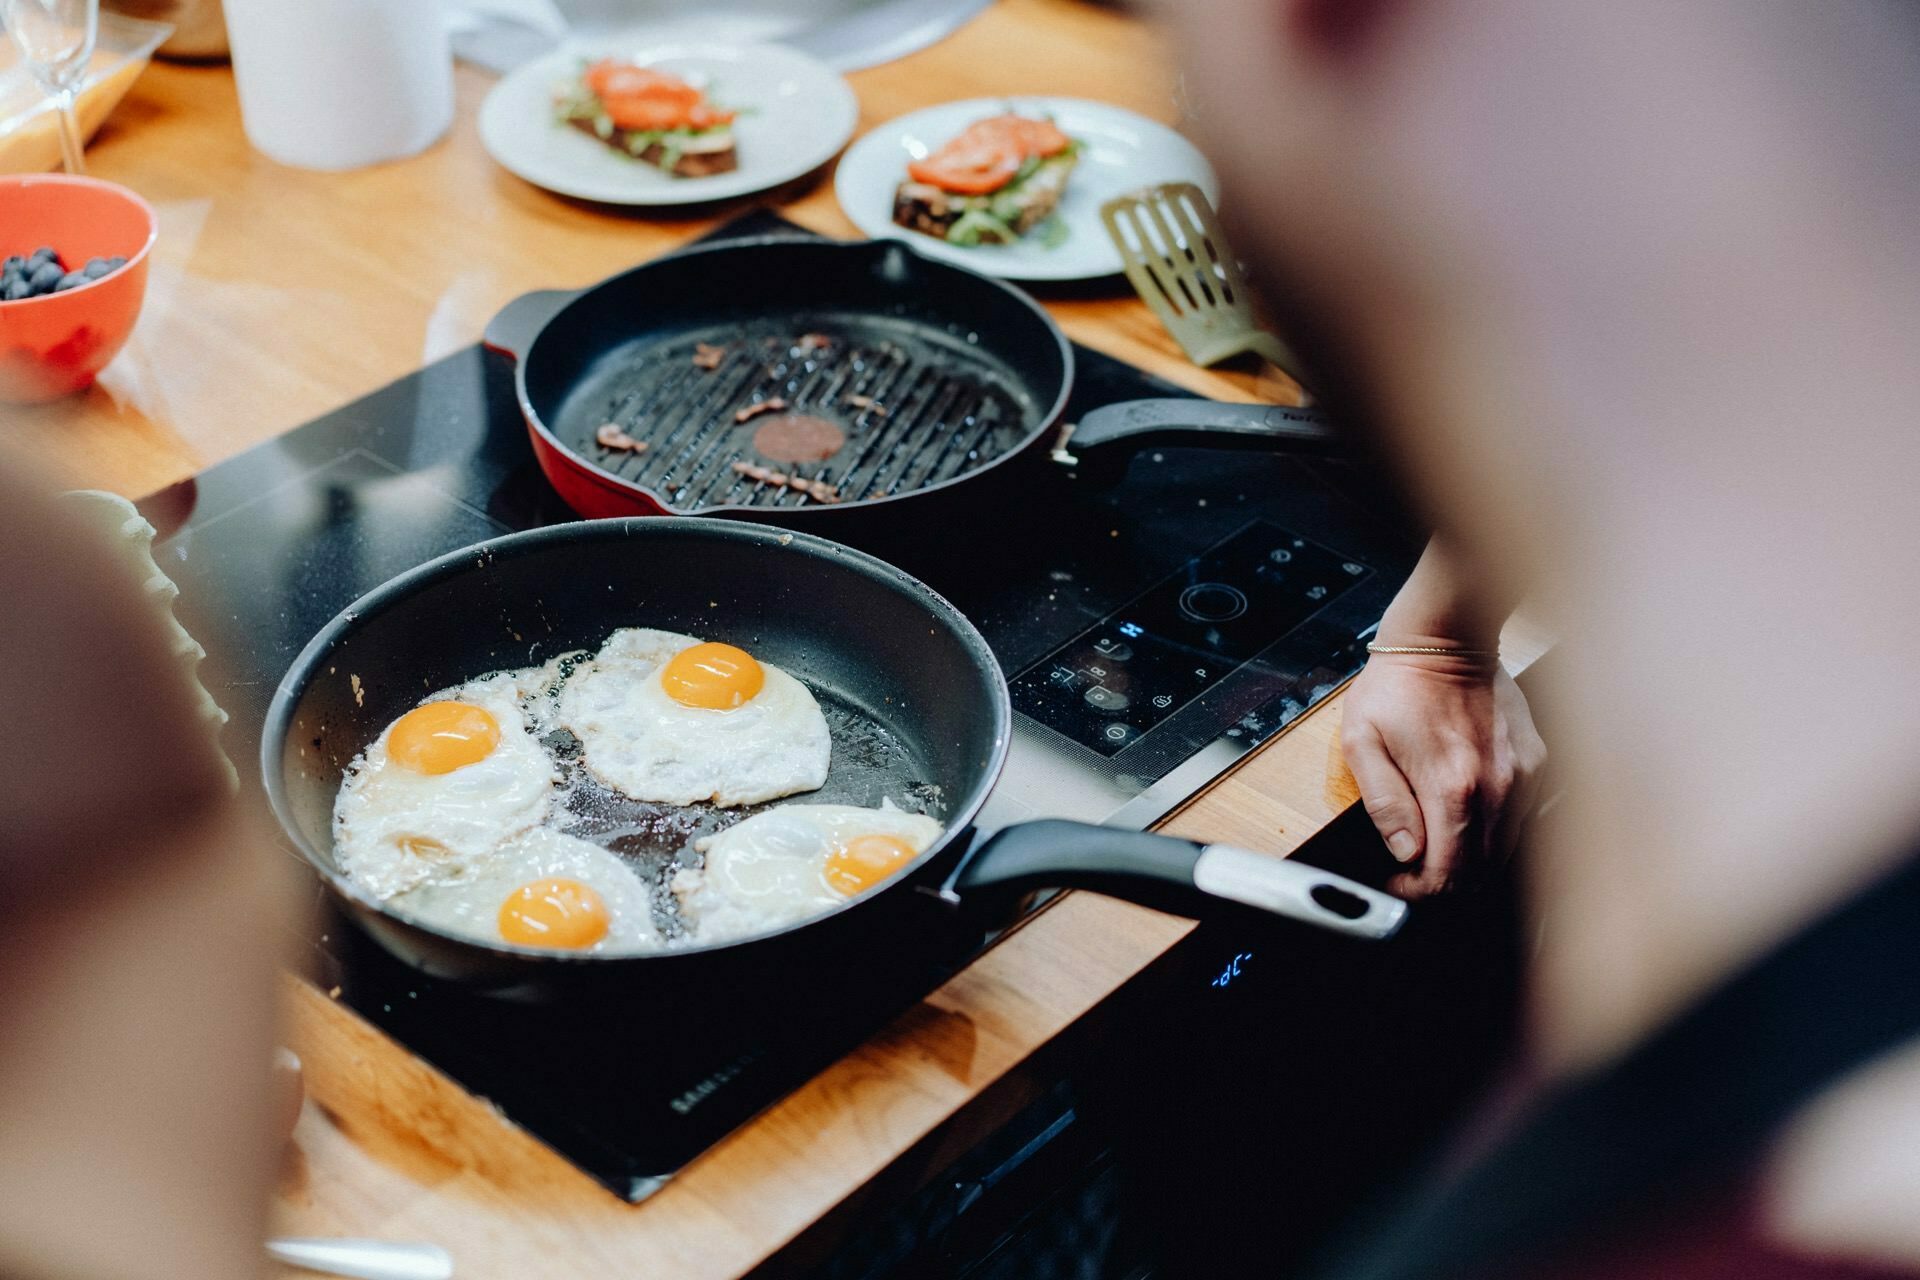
x: 543, y: 889
x: 793, y: 862
x: 670, y: 718
x: 442, y: 788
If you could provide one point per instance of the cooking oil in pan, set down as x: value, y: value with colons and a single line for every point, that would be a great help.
x: 869, y: 764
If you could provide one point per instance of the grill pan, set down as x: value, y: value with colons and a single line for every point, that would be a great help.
x: 918, y: 373
x: 929, y: 373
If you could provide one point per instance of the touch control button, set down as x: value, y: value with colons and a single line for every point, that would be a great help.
x: 1102, y: 698
x: 1116, y: 650
x: 1213, y: 602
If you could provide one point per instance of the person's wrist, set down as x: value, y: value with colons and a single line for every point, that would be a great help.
x: 1400, y: 628
x: 1435, y: 647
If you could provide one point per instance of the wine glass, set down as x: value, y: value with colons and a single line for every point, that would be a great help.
x: 56, y: 39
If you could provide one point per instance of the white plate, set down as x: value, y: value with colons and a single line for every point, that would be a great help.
x: 795, y: 114
x: 845, y: 34
x: 1121, y: 152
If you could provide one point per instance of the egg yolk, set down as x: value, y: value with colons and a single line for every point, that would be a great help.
x: 865, y: 861
x: 712, y: 676
x: 554, y: 913
x: 443, y: 736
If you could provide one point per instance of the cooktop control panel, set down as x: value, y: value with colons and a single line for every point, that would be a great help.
x: 1115, y: 681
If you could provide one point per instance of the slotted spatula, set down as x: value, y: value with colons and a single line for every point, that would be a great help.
x: 1177, y: 257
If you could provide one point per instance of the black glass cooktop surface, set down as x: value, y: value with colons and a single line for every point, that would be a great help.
x: 1153, y: 630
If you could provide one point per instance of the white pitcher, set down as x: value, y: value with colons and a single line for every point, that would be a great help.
x: 337, y: 84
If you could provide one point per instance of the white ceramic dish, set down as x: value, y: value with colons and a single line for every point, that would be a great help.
x: 795, y: 113
x: 29, y: 137
x: 1121, y: 152
x: 845, y: 34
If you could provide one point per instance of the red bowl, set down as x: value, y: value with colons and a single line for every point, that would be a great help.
x: 53, y: 345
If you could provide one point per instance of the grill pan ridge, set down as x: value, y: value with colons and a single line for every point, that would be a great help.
x: 930, y: 411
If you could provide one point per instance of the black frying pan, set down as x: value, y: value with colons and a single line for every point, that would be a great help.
x: 892, y: 662
x: 929, y: 374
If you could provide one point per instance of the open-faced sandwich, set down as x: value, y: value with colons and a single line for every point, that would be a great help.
x: 652, y: 116
x: 994, y: 183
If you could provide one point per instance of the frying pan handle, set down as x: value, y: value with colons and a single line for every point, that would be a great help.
x: 518, y: 323
x: 1118, y: 431
x: 1168, y: 874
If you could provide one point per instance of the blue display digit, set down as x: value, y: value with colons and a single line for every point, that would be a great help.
x: 1232, y: 971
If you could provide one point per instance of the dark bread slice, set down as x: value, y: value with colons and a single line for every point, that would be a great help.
x: 922, y: 207
x: 692, y: 164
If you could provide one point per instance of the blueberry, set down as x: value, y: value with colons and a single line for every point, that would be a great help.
x: 71, y: 280
x: 97, y: 267
x: 45, y: 276
x: 15, y: 291
x: 14, y: 263
x: 44, y: 253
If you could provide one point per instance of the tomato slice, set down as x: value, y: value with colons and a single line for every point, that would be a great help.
x: 1036, y: 137
x: 988, y: 153
x: 610, y: 78
x: 1033, y: 137
x: 642, y: 100
x: 970, y: 165
x: 642, y: 115
x: 703, y: 116
x: 639, y: 115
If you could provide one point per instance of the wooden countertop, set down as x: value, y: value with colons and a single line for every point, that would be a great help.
x: 278, y: 294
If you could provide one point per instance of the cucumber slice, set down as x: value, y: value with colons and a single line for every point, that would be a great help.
x: 979, y: 226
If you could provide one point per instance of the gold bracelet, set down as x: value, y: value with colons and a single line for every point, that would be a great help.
x: 1436, y: 650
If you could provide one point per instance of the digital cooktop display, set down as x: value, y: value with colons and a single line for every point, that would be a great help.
x: 1182, y: 636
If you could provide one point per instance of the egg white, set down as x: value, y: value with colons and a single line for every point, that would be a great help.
x: 769, y: 870
x: 469, y: 906
x: 466, y: 815
x: 640, y: 742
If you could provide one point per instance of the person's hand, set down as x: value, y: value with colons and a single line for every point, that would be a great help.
x: 1446, y: 756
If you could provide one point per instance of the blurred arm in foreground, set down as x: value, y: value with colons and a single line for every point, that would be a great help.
x: 1629, y: 292
x: 136, y: 1020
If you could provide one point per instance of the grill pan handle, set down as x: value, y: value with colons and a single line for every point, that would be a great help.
x: 1167, y: 874
x: 1100, y: 444
x: 1138, y: 423
x: 512, y: 331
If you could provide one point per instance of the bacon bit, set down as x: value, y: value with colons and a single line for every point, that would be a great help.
x: 610, y: 436
x: 813, y: 342
x: 818, y: 490
x: 707, y: 355
x: 758, y: 407
x: 868, y: 403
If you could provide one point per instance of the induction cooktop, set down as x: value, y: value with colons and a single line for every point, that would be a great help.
x: 1153, y: 629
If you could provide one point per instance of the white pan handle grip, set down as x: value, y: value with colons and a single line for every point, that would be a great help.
x: 365, y: 1259
x: 1298, y: 891
x: 1165, y: 873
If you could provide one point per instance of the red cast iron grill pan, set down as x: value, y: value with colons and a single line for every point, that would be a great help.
x: 917, y: 703
x: 926, y: 373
